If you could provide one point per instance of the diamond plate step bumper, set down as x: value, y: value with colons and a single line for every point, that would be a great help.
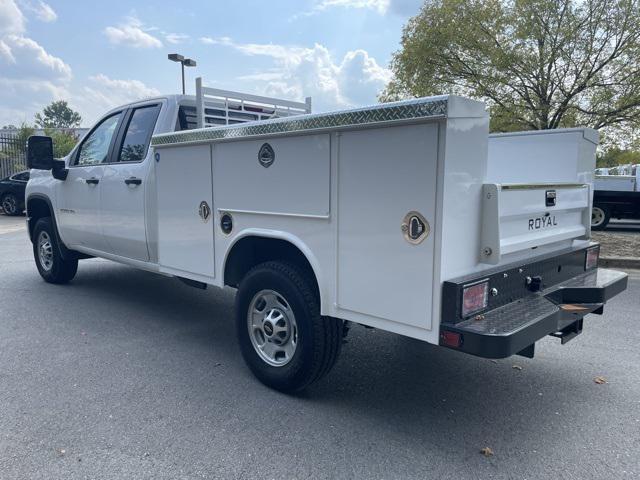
x: 515, y: 327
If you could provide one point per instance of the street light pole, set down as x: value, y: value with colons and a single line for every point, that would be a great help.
x: 184, y: 62
x: 182, y: 65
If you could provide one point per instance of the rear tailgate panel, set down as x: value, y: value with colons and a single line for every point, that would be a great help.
x: 518, y: 217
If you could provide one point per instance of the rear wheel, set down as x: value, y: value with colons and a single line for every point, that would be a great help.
x: 284, y: 340
x: 600, y: 216
x: 11, y: 204
x: 46, y: 252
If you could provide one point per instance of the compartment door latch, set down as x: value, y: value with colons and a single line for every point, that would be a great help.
x: 204, y: 211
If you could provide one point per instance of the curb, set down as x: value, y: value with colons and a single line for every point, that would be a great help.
x: 620, y: 262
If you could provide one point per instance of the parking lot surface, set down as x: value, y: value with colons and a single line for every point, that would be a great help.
x: 127, y: 374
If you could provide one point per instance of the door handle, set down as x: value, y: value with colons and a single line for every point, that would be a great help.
x: 133, y: 181
x: 92, y: 181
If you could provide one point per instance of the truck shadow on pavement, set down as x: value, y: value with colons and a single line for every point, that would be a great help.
x: 401, y: 384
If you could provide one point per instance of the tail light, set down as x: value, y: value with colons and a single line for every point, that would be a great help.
x: 591, y: 257
x: 475, y: 297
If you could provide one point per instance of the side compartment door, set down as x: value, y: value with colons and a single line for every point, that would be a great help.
x: 185, y: 211
x: 124, y: 186
x: 79, y: 195
x: 387, y: 195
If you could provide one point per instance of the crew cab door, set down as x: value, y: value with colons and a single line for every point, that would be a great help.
x: 124, y: 185
x: 79, y: 195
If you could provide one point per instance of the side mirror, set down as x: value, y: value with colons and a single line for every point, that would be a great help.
x: 40, y: 152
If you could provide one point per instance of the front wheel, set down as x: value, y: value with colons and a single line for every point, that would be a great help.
x: 46, y: 252
x: 284, y: 340
x: 600, y: 217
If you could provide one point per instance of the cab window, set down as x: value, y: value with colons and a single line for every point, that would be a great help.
x: 138, y: 134
x: 95, y: 148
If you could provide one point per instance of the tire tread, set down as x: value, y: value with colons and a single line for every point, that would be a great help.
x: 326, y: 330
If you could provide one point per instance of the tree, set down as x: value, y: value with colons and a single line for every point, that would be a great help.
x: 63, y: 141
x: 615, y: 156
x: 23, y: 134
x: 58, y: 115
x: 539, y: 63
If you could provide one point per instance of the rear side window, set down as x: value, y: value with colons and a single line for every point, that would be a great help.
x: 187, y: 118
x: 138, y: 134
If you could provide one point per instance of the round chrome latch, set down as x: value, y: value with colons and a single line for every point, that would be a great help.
x: 415, y: 228
x: 226, y: 223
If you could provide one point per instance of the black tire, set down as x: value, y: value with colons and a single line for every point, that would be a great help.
x: 59, y: 270
x: 600, y: 216
x: 11, y: 205
x: 319, y: 338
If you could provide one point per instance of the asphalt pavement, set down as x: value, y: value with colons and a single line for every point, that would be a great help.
x: 125, y: 374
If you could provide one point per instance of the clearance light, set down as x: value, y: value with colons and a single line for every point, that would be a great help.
x: 475, y: 298
x: 591, y: 258
x: 451, y: 339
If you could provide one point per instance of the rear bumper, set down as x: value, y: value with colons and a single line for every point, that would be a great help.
x: 514, y: 327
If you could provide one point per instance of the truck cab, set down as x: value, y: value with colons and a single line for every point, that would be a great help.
x: 101, y: 205
x: 107, y: 172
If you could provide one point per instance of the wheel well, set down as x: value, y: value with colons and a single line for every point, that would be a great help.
x: 251, y: 251
x: 37, y: 208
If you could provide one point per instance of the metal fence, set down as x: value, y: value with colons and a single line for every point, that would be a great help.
x: 12, y: 154
x: 13, y: 147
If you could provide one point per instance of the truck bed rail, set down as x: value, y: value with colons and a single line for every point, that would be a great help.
x: 217, y: 107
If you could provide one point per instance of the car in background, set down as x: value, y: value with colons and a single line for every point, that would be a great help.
x: 12, y: 193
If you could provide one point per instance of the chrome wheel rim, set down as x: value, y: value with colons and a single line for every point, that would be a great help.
x: 597, y: 217
x: 45, y: 251
x: 9, y: 204
x: 272, y: 328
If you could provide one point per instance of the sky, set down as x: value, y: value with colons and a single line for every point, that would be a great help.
x: 97, y: 55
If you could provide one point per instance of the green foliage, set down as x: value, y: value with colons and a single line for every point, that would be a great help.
x: 539, y: 63
x: 24, y: 132
x: 58, y: 115
x: 15, y: 153
x: 616, y: 156
x: 63, y: 141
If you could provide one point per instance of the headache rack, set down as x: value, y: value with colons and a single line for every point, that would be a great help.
x: 215, y: 107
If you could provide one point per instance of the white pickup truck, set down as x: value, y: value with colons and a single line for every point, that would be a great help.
x: 616, y: 196
x: 406, y: 217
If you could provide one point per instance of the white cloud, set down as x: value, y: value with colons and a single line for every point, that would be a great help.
x: 133, y: 34
x: 301, y: 71
x: 381, y: 6
x: 216, y: 41
x: 31, y: 60
x: 12, y: 20
x: 30, y: 76
x: 22, y: 98
x: 42, y: 11
x: 400, y: 7
x: 104, y: 93
x: 5, y: 52
x: 175, y: 38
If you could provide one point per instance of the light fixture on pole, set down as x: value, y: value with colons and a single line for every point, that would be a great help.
x: 184, y: 62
